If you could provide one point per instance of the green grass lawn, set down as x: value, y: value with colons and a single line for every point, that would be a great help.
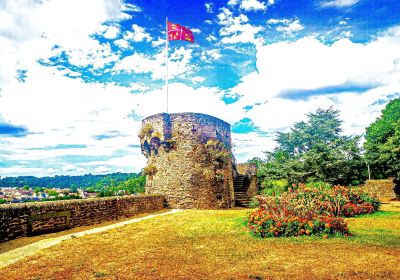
x: 215, y: 244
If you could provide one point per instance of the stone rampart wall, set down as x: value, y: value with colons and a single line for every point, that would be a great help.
x: 24, y: 219
x: 383, y: 189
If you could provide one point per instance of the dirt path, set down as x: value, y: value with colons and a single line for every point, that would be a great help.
x: 15, y: 255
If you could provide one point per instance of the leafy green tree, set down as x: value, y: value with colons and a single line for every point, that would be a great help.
x: 51, y: 192
x: 38, y: 190
x: 135, y: 185
x: 382, y: 143
x: 315, y: 150
x: 62, y: 182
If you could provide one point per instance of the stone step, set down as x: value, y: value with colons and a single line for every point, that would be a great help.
x: 242, y: 201
x: 241, y: 204
x: 242, y: 197
x: 241, y: 194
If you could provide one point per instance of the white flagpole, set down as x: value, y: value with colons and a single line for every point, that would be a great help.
x: 166, y: 57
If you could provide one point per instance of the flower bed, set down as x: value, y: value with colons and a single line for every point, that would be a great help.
x: 309, y: 211
x: 267, y: 224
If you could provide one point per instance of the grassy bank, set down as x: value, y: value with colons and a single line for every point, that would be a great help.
x: 200, y: 244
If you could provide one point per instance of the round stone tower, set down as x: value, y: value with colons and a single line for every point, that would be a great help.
x: 189, y: 160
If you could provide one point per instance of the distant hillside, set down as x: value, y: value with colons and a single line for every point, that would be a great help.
x: 62, y: 182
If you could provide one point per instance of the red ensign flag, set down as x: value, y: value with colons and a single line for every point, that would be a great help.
x: 178, y: 32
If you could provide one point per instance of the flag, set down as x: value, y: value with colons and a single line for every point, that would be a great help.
x: 178, y: 32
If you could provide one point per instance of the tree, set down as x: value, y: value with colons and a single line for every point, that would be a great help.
x: 51, y: 192
x: 382, y: 143
x: 315, y: 150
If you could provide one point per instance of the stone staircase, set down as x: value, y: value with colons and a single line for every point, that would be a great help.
x: 241, y: 197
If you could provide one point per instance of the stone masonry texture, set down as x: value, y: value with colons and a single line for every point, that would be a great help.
x: 24, y: 219
x: 189, y: 160
x: 383, y: 189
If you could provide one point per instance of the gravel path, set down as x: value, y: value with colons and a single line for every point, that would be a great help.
x: 15, y: 255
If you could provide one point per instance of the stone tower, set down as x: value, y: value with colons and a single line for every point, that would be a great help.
x: 189, y: 160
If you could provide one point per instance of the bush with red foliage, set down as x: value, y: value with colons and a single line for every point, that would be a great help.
x: 309, y: 211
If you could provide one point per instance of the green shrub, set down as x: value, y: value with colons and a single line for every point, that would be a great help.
x: 319, y: 185
x: 150, y: 169
x: 274, y: 187
x: 254, y: 202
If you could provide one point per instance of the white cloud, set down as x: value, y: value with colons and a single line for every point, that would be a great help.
x: 21, y: 170
x: 254, y: 5
x: 286, y: 26
x: 346, y: 34
x: 139, y: 34
x: 96, y: 56
x: 35, y: 27
x: 111, y: 32
x: 123, y: 44
x: 57, y: 109
x: 179, y: 63
x: 308, y: 64
x: 215, y: 54
x: 102, y: 170
x: 75, y: 112
x: 251, y: 5
x: 276, y: 21
x: 119, y: 162
x: 237, y: 29
x: 250, y: 145
x: 209, y: 7
x: 233, y: 2
x: 292, y: 27
x: 210, y: 55
x: 183, y: 98
x: 338, y: 3
x: 69, y: 167
x: 158, y: 42
x: 211, y: 38
x: 195, y: 30
x: 198, y: 79
x: 127, y: 7
x: 137, y: 63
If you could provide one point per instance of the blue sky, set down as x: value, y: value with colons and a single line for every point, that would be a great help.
x: 77, y: 77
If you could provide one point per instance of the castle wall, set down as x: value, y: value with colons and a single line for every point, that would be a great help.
x: 384, y: 189
x: 23, y: 219
x: 184, y: 151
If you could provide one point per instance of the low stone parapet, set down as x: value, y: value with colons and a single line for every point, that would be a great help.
x: 25, y: 219
x: 383, y: 189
